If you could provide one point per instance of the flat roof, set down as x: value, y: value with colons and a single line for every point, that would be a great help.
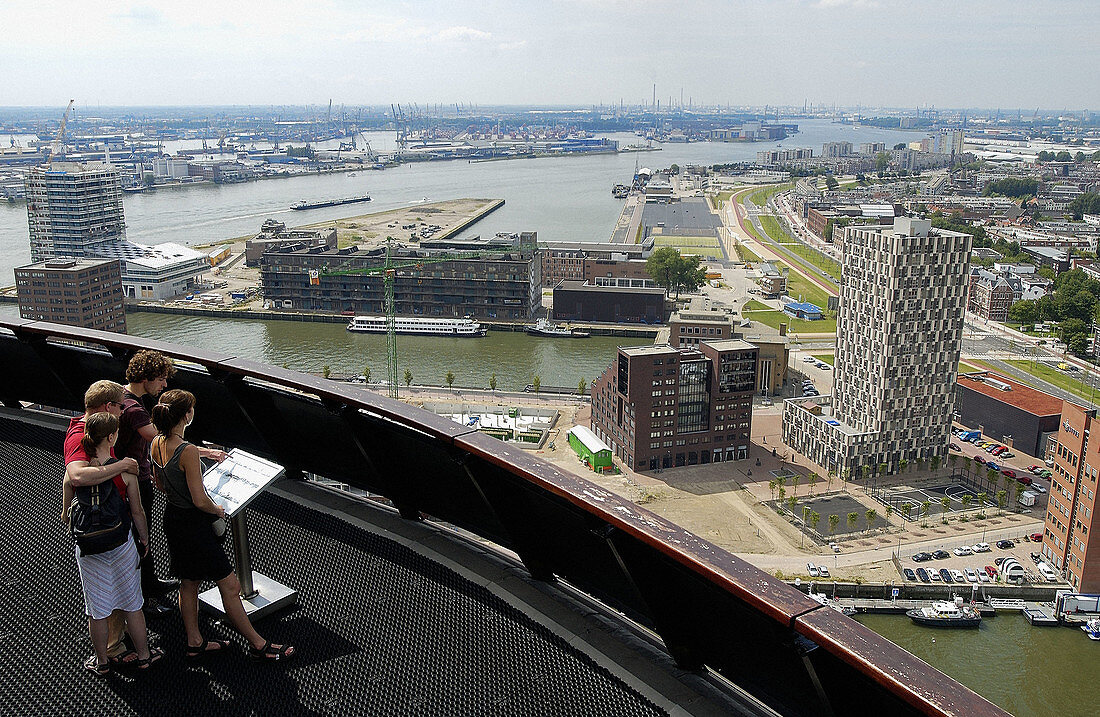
x: 66, y: 264
x: 654, y: 350
x: 590, y: 440
x: 1018, y: 395
x: 574, y: 285
x: 729, y: 344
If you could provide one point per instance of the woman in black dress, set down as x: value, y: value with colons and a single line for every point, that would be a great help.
x: 196, y: 552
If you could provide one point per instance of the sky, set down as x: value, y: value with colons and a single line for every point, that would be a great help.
x: 884, y: 53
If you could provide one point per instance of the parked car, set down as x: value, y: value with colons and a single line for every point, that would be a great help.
x: 1008, y: 454
x: 1005, y: 544
x: 1011, y: 473
x: 1000, y: 559
x: 1035, y: 558
x: 1045, y: 473
x: 824, y: 367
x: 963, y: 550
x: 934, y: 576
x: 999, y: 450
x: 808, y: 359
x: 921, y: 557
x: 983, y: 577
x: 971, y: 576
x: 1026, y: 480
x: 1037, y: 537
x: 823, y: 571
x: 1038, y: 488
x: 979, y: 459
x: 954, y: 446
x: 812, y: 570
x: 1035, y: 469
x: 946, y: 575
x: 981, y: 548
x: 959, y: 577
x: 922, y: 574
x: 993, y: 465
x: 991, y: 571
x: 909, y: 574
x: 940, y: 554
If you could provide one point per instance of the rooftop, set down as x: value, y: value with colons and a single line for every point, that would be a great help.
x: 1017, y: 394
x: 730, y: 345
x: 576, y: 285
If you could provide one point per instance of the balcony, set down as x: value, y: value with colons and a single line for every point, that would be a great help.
x: 495, y: 584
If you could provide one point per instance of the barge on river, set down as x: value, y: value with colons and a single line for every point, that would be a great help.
x: 329, y: 202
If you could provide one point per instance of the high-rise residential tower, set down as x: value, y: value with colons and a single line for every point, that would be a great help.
x: 74, y: 210
x: 899, y: 334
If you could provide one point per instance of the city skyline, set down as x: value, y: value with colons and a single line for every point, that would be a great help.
x: 571, y: 52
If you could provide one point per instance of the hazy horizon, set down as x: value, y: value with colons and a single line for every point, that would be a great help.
x: 558, y: 53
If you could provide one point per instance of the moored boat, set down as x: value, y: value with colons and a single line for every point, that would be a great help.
x: 305, y: 204
x: 943, y: 613
x: 1092, y: 628
x: 418, y: 325
x: 544, y: 327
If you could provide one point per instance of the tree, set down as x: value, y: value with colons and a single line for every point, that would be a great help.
x: 952, y: 459
x: 149, y: 178
x: 773, y: 486
x: 1087, y: 203
x: 900, y: 145
x: 815, y: 517
x: 791, y: 503
x: 881, y: 469
x: 993, y: 476
x: 871, y: 515
x: 408, y: 378
x: 582, y: 387
x: 1025, y: 311
x: 493, y: 382
x: 536, y: 384
x: 450, y: 379
x: 831, y: 183
x: 795, y: 480
x: 853, y: 518
x: 674, y: 169
x: 834, y: 520
x: 889, y: 511
x: 326, y: 371
x: 1001, y: 495
x: 812, y: 481
x: 1063, y: 156
x: 934, y: 463
x: 965, y: 500
x: 907, y: 508
x: 981, y: 499
x: 366, y: 374
x: 674, y: 272
x: 925, y: 507
x: 967, y: 463
x: 882, y: 162
x: 866, y: 470
x: 903, y: 464
x: 830, y: 477
x: 945, y: 502
x: 1012, y: 187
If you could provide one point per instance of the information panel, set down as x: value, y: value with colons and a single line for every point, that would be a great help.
x: 238, y: 479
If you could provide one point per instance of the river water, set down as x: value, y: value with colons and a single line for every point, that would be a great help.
x: 1029, y: 671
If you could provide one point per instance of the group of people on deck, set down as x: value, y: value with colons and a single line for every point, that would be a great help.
x: 133, y: 437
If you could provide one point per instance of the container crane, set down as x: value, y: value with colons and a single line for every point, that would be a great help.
x: 55, y: 146
x: 389, y: 274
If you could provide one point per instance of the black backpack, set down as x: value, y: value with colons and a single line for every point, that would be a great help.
x: 99, y: 519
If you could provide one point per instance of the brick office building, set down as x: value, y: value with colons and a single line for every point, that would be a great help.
x: 1007, y: 410
x: 1071, y: 534
x: 76, y: 292
x: 657, y: 406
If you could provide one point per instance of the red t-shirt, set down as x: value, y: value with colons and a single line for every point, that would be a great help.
x: 75, y: 452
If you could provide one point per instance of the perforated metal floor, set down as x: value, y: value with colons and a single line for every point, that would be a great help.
x: 380, y: 629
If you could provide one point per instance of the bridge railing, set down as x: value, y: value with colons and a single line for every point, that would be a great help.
x: 710, y: 608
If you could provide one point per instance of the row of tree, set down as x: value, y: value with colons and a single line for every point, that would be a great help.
x: 1072, y: 304
x: 1065, y: 156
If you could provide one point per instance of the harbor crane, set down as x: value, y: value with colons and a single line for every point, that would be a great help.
x: 56, y: 145
x: 389, y: 274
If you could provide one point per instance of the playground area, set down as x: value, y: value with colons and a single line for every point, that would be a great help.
x: 934, y: 495
x: 524, y: 425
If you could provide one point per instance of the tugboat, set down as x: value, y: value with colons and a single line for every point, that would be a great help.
x: 1092, y: 628
x: 946, y: 614
x: 544, y: 327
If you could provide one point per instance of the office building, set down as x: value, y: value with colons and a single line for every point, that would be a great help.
x: 899, y: 333
x: 836, y: 149
x: 658, y: 406
x: 688, y: 327
x: 505, y: 285
x: 872, y: 147
x: 75, y: 210
x: 77, y: 292
x: 1071, y: 534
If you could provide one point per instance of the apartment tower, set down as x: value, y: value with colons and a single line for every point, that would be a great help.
x: 73, y: 209
x: 899, y: 332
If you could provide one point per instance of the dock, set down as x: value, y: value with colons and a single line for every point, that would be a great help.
x: 1040, y: 614
x: 873, y: 606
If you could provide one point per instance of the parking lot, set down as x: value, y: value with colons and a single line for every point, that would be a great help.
x: 1022, y: 551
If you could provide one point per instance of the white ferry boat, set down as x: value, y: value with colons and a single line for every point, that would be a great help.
x: 418, y: 325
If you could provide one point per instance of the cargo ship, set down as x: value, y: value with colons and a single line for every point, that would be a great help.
x: 329, y: 202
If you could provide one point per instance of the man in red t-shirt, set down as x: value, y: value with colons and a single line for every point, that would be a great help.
x: 101, y: 396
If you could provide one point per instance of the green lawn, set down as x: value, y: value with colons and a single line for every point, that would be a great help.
x: 815, y: 258
x: 798, y: 285
x: 754, y: 305
x: 702, y: 246
x: 968, y: 368
x: 827, y: 358
x: 773, y: 318
x: 1056, y: 377
x: 746, y: 254
x: 760, y: 197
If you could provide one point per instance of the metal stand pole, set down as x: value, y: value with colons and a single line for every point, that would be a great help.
x: 242, y: 557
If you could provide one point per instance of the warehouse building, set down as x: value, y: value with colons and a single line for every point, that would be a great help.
x: 1007, y: 410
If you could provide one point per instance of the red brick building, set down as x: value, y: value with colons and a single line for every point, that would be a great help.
x: 77, y: 292
x: 657, y: 406
x: 1071, y: 536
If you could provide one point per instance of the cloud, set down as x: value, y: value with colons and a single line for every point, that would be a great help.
x: 142, y: 15
x: 462, y: 32
x: 508, y: 46
x: 826, y: 4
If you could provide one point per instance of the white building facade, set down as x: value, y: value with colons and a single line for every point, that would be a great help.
x: 899, y: 333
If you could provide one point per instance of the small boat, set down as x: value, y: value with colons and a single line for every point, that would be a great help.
x: 418, y: 326
x: 943, y: 613
x: 544, y: 327
x: 842, y: 609
x: 1092, y: 628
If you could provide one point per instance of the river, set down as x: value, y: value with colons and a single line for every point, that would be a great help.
x: 1029, y: 671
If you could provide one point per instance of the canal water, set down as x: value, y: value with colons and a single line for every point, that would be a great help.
x: 1029, y: 671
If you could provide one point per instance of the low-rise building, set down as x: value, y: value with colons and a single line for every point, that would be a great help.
x: 773, y: 280
x: 76, y: 292
x: 660, y: 407
x: 578, y: 301
x: 569, y: 261
x: 1007, y: 410
x: 689, y: 327
x: 275, y: 235
x: 991, y: 295
x: 1056, y: 259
